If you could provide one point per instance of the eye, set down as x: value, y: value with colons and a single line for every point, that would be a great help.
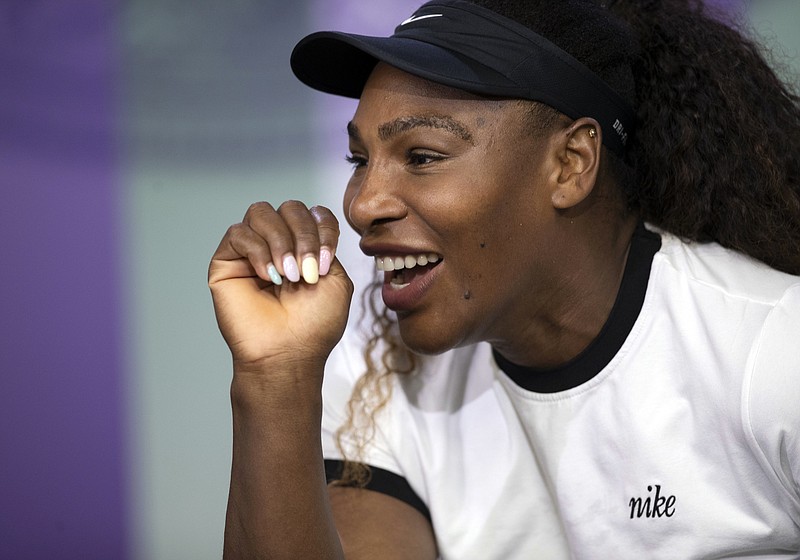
x: 421, y: 159
x: 356, y: 161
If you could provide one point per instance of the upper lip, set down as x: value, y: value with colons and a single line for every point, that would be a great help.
x: 392, y: 249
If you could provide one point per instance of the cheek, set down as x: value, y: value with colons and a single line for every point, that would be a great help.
x: 495, y: 222
x: 483, y: 243
x: 498, y: 245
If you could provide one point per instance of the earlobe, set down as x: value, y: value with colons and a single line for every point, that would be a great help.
x: 579, y: 163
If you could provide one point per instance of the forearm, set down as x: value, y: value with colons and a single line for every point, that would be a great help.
x: 278, y: 505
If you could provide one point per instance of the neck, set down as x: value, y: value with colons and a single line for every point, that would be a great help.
x: 569, y: 314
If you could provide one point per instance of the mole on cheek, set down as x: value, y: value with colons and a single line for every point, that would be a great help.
x: 467, y: 295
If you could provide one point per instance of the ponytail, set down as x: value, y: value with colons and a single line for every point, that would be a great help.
x: 718, y: 139
x: 716, y: 155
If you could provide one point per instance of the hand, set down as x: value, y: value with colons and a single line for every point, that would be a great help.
x: 298, y: 316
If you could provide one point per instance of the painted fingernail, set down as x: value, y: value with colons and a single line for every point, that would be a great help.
x: 273, y: 275
x: 310, y: 270
x: 325, y: 259
x: 290, y: 268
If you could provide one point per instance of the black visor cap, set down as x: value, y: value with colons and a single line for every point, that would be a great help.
x: 465, y: 46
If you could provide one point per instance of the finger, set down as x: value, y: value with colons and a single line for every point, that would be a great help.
x: 306, y: 237
x: 265, y: 221
x: 246, y: 252
x: 328, y: 228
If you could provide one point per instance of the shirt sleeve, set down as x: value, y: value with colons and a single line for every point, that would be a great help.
x: 343, y: 369
x: 384, y: 482
x: 772, y: 406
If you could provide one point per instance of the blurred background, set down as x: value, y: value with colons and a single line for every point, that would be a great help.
x: 132, y: 133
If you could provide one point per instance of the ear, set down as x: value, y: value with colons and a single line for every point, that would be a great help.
x: 579, y: 158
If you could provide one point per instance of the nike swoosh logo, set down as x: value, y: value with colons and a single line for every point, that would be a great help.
x: 412, y: 19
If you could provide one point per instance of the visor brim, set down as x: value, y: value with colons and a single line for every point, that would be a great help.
x: 340, y: 64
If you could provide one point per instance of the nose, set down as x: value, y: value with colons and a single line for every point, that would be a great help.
x: 373, y: 197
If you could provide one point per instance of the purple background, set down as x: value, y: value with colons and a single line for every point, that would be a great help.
x: 61, y: 476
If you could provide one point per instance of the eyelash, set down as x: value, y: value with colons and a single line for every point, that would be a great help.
x: 355, y: 161
x: 412, y: 157
x: 429, y: 158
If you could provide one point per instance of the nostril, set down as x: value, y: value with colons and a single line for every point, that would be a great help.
x: 373, y: 200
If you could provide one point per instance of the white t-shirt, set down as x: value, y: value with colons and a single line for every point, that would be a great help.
x: 673, y: 436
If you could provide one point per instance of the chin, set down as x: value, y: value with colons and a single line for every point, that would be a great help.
x: 428, y: 341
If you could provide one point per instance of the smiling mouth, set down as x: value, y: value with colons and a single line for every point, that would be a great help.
x: 400, y: 271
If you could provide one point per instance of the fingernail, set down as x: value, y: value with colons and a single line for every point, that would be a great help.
x: 310, y: 270
x: 290, y: 268
x: 273, y: 275
x: 325, y: 259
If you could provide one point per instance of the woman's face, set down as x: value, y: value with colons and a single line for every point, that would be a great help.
x: 457, y: 189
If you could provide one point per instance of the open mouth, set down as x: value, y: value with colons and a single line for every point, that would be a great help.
x: 400, y: 271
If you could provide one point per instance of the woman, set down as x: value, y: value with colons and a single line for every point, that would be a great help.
x: 568, y: 382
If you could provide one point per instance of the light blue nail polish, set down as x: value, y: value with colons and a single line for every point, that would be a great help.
x: 273, y: 275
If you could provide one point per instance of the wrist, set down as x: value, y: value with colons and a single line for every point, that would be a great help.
x: 277, y: 385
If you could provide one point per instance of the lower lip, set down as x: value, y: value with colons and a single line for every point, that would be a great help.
x: 405, y: 299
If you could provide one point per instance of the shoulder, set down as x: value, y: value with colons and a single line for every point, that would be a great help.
x: 759, y: 310
x: 437, y: 383
x: 754, y: 311
x: 771, y: 394
x: 728, y: 272
x: 347, y: 364
x: 773, y: 383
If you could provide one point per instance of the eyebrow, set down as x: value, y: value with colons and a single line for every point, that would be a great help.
x: 403, y: 124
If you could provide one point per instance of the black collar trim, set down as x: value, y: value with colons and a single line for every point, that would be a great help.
x: 644, y: 245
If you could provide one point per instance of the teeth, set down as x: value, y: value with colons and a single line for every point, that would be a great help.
x: 409, y: 261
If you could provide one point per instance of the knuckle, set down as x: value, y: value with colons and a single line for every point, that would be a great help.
x: 306, y: 238
x: 235, y: 231
x: 260, y: 207
x: 292, y: 206
x: 327, y: 223
x: 322, y: 211
x: 325, y: 217
x: 329, y: 230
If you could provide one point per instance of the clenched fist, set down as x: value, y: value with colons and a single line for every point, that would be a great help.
x: 280, y: 295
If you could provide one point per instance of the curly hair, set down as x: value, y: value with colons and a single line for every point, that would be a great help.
x: 384, y: 355
x: 715, y: 154
x: 714, y: 157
